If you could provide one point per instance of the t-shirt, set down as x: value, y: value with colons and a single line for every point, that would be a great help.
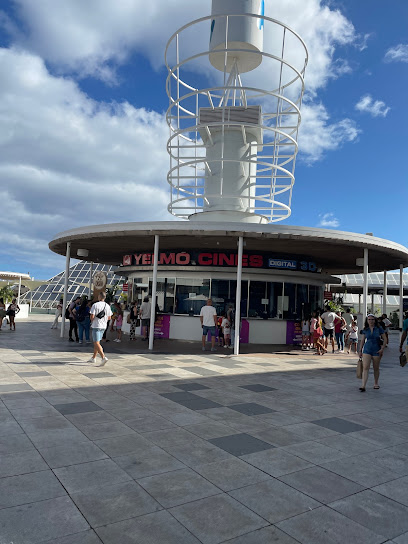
x: 208, y: 313
x: 348, y: 318
x: 386, y: 321
x: 354, y: 332
x: 313, y: 322
x: 405, y: 325
x: 145, y: 310
x: 373, y: 338
x: 305, y: 326
x: 328, y: 320
x: 103, y: 321
x: 226, y: 326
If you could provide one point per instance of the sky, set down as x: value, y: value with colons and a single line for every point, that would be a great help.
x: 82, y: 117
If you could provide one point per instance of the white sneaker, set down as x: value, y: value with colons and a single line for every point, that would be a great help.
x: 118, y: 341
x: 213, y: 349
x: 91, y: 360
x: 80, y: 342
x: 202, y: 349
x: 225, y: 346
x: 115, y: 340
x: 103, y: 362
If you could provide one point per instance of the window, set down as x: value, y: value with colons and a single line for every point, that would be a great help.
x: 257, y: 297
x: 302, y: 301
x: 315, y: 297
x: 191, y: 295
x: 289, y: 302
x: 165, y: 294
x: 274, y: 294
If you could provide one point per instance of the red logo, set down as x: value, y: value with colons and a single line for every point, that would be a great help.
x: 127, y: 260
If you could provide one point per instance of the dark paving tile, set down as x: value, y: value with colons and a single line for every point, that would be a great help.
x: 113, y: 503
x: 339, y: 425
x: 200, y: 404
x: 178, y: 487
x: 251, y: 409
x: 240, y: 444
x: 41, y: 521
x: 376, y: 512
x: 159, y: 527
x: 179, y: 396
x: 268, y: 535
x: 99, y: 375
x: 201, y: 371
x: 33, y: 374
x: 258, y: 388
x: 27, y: 488
x: 217, y: 519
x: 193, y: 386
x: 149, y: 367
x: 77, y: 407
x: 9, y: 388
x: 307, y: 528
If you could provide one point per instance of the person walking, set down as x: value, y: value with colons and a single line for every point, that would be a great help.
x: 100, y: 315
x: 119, y: 323
x: 3, y: 313
x: 12, y: 311
x: 73, y: 327
x: 82, y: 315
x: 58, y: 313
x: 208, y: 319
x: 387, y: 324
x: 348, y: 318
x: 371, y: 349
x: 316, y: 322
x: 305, y: 333
x: 352, y: 338
x: 133, y: 316
x: 226, y: 331
x: 145, y: 311
x: 340, y: 327
x: 329, y: 318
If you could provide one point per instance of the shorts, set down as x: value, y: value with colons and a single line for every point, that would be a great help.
x: 145, y: 322
x: 353, y: 340
x: 305, y: 333
x: 328, y: 333
x: 207, y: 330
x: 371, y: 349
x: 118, y: 327
x: 97, y: 334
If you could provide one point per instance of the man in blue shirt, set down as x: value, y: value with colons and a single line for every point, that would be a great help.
x: 404, y: 335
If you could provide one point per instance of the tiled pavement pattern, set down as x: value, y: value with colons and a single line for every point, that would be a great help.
x: 200, y: 447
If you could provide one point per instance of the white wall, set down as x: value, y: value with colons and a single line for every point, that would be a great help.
x: 23, y: 313
x: 185, y: 327
x: 267, y: 331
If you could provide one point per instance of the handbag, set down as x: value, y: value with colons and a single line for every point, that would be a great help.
x: 359, y: 370
x: 403, y: 359
x: 128, y: 318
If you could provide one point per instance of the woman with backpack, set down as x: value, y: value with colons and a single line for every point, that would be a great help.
x: 81, y: 313
x: 12, y: 310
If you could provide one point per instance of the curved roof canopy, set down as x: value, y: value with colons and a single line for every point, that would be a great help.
x: 14, y: 276
x: 334, y: 251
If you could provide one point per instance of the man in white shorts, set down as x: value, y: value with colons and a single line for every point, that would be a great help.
x: 329, y: 318
x: 208, y: 318
x: 100, y: 315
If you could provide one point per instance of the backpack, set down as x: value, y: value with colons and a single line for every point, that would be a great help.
x: 67, y: 314
x: 80, y: 316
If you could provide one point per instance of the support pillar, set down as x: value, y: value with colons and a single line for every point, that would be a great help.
x: 67, y: 261
x: 384, y: 304
x: 401, y: 294
x: 19, y: 291
x: 90, y: 280
x: 365, y: 284
x: 154, y: 288
x: 238, y: 296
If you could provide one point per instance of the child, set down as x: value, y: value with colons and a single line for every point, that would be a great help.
x: 119, y: 322
x: 305, y: 334
x: 352, y: 337
x: 219, y: 330
x: 226, y: 331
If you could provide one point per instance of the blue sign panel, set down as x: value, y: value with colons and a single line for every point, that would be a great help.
x: 282, y: 263
x: 261, y: 12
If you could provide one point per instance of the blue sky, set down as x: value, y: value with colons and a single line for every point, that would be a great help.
x: 82, y: 101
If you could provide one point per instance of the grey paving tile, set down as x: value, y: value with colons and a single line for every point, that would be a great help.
x: 41, y: 521
x: 274, y: 500
x: 169, y: 437
x: 21, y: 462
x: 77, y: 407
x: 72, y: 454
x: 276, y: 462
x: 384, y: 437
x: 268, y: 535
x: 99, y: 375
x: 12, y: 387
x: 258, y: 388
x: 86, y: 537
x: 122, y: 445
x: 95, y: 473
x: 178, y: 487
x: 37, y: 374
x: 159, y: 527
x: 211, y: 429
x: 10, y: 427
x: 397, y: 462
x: 217, y: 519
x: 201, y: 371
x: 339, y: 425
x: 376, y: 512
x: 307, y: 528
x: 156, y: 462
x: 240, y: 444
x: 231, y: 473
x: 402, y: 539
x: 26, y: 488
x: 315, y: 453
x: 310, y: 431
x: 35, y: 411
x: 57, y: 437
x: 191, y: 386
x: 187, y: 418
x: 322, y: 485
x: 251, y: 409
x: 367, y: 475
x: 113, y: 503
x: 99, y: 431
x: 45, y: 424
x: 197, y: 452
x: 278, y: 436
x: 150, y: 423
x: 396, y: 490
x: 15, y: 443
x: 90, y: 418
x: 346, y: 444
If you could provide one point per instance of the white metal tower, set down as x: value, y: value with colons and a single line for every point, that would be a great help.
x: 234, y: 114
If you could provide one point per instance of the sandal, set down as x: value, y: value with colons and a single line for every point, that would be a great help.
x: 362, y: 389
x: 376, y: 387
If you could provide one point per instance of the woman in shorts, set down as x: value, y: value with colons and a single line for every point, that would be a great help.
x: 226, y: 331
x: 119, y: 323
x: 352, y: 338
x: 371, y: 349
x: 318, y: 334
x: 305, y: 333
x: 12, y: 310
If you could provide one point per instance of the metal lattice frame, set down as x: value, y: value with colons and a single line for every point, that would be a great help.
x: 271, y: 186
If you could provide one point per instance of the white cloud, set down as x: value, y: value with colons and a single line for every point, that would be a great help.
x: 66, y: 160
x: 317, y: 135
x: 376, y: 108
x: 399, y: 53
x: 328, y: 220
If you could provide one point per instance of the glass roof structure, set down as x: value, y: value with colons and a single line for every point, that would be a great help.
x: 48, y: 294
x: 375, y: 279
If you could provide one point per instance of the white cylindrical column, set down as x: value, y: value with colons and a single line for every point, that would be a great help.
x: 365, y: 283
x: 19, y: 290
x: 401, y: 294
x: 90, y: 280
x: 67, y: 261
x: 154, y: 288
x: 238, y: 296
x: 384, y: 304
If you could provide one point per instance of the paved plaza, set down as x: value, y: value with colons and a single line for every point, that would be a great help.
x: 190, y: 448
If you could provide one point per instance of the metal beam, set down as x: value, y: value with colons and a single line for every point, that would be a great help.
x: 154, y: 289
x: 238, y: 296
x: 67, y: 260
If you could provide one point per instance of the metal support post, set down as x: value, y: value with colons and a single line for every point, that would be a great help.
x: 90, y: 280
x: 67, y: 260
x: 365, y: 283
x: 401, y: 294
x: 19, y: 291
x: 384, y: 304
x: 238, y: 296
x: 154, y: 288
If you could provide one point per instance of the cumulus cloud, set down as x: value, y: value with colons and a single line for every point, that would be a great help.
x: 376, y: 108
x: 66, y: 160
x: 399, y: 53
x: 328, y: 220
